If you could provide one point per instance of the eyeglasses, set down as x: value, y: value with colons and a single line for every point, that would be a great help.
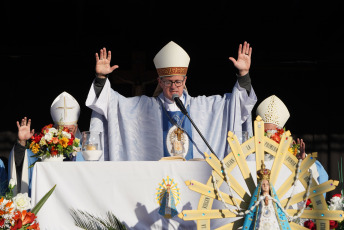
x: 169, y: 83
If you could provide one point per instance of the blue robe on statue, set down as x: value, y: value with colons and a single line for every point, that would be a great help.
x: 250, y: 222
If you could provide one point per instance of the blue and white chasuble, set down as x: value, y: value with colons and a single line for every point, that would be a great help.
x: 133, y: 127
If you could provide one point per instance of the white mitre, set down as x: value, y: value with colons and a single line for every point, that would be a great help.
x: 171, y: 60
x: 273, y: 110
x: 65, y: 110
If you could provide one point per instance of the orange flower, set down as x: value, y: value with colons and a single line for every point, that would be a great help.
x: 35, y: 148
x: 53, y: 151
x: 28, y: 217
x: 46, y: 128
x: 55, y: 140
x: 64, y: 142
x: 34, y: 226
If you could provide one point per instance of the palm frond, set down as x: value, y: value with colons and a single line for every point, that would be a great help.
x: 89, y: 221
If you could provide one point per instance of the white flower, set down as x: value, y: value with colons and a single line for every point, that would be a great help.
x: 66, y: 134
x: 336, y: 203
x: 43, y: 141
x: 48, y: 136
x: 12, y: 183
x: 53, y: 131
x: 22, y: 201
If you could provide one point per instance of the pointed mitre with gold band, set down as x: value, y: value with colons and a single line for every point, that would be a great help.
x: 273, y: 110
x: 65, y: 110
x: 171, y: 60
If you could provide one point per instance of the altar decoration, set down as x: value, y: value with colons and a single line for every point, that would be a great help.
x: 16, y: 212
x: 291, y: 193
x: 168, y: 197
x: 86, y: 220
x: 54, y: 142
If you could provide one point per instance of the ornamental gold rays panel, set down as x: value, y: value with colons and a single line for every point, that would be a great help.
x: 233, y: 182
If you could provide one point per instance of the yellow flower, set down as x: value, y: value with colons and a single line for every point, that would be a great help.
x: 64, y: 142
x: 35, y: 148
x: 77, y: 141
x: 293, y: 151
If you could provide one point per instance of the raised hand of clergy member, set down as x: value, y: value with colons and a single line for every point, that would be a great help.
x: 103, y: 60
x: 243, y: 62
x: 24, y: 132
x: 302, y: 154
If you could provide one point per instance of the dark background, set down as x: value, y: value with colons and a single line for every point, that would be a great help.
x: 48, y: 48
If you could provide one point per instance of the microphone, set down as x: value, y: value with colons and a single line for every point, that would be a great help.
x: 182, y: 108
x: 179, y: 104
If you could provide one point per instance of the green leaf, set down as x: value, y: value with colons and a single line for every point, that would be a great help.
x: 86, y: 220
x: 39, y: 205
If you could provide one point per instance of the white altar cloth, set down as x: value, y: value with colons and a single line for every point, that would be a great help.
x: 128, y: 189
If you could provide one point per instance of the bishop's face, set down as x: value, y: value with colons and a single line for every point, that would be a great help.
x: 172, y: 85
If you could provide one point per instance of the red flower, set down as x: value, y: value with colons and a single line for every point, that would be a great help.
x: 28, y: 217
x: 2, y: 222
x: 18, y: 225
x: 34, y: 226
x: 71, y: 140
x: 276, y: 138
x: 308, y: 202
x: 37, y: 138
x: 333, y: 224
x: 65, y: 129
x: 53, y: 151
x: 46, y: 128
x: 337, y: 195
x: 310, y: 224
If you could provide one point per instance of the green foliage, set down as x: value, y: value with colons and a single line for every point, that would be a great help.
x: 88, y: 221
x: 39, y: 205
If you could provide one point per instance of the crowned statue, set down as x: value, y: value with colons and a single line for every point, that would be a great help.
x: 266, y: 214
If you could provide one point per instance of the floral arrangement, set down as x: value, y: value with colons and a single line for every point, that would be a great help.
x: 333, y: 204
x: 15, y: 213
x: 54, y: 142
x: 276, y: 135
x: 336, y: 203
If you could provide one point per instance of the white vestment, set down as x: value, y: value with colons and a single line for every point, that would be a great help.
x: 132, y: 127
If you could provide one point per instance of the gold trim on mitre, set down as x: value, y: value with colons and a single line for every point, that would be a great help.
x: 62, y: 123
x: 172, y: 71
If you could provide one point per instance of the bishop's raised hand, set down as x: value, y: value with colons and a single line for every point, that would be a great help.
x: 243, y: 62
x: 103, y: 66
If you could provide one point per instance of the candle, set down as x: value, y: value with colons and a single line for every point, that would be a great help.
x: 91, y: 147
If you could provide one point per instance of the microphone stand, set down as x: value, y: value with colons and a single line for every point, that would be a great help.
x: 182, y: 108
x: 199, y: 132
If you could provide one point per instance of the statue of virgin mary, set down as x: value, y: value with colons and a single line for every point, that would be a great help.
x: 265, y: 213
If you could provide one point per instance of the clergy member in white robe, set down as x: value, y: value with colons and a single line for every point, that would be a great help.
x: 275, y: 114
x: 65, y: 111
x: 149, y: 128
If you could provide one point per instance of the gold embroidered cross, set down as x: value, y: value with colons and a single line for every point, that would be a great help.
x: 179, y: 133
x: 64, y: 107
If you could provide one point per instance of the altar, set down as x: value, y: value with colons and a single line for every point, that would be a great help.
x: 128, y: 189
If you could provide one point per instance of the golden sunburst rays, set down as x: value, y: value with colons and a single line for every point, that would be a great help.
x: 296, y: 175
x: 164, y: 186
